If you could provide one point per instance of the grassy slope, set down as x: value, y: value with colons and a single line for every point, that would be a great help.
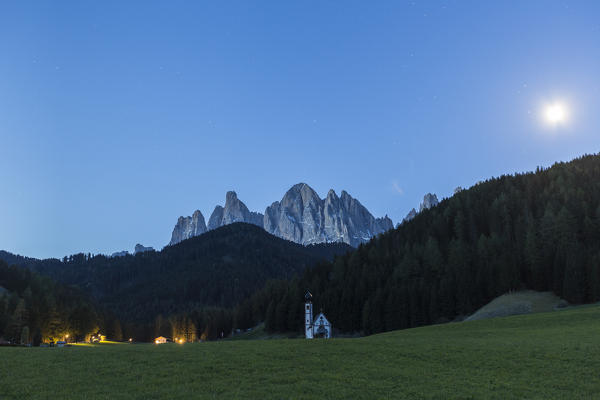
x: 523, y: 302
x: 548, y: 355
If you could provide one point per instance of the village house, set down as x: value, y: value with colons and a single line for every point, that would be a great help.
x: 160, y: 340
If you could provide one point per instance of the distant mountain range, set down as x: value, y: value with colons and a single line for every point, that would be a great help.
x: 301, y: 216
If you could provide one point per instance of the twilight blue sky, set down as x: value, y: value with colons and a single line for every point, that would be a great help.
x: 117, y: 118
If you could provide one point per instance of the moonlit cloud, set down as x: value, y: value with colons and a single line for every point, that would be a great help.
x: 397, y: 188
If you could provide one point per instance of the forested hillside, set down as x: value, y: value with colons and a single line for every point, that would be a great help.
x: 193, y: 283
x: 14, y: 259
x: 536, y: 230
x: 34, y: 308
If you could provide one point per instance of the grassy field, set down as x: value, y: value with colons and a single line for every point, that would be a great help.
x: 539, y: 356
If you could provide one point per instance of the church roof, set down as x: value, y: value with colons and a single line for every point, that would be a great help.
x: 318, y: 319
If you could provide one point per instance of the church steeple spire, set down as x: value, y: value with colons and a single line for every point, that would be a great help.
x: 308, y: 315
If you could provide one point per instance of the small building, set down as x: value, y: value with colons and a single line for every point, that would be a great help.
x: 61, y: 343
x: 160, y: 340
x: 319, y: 327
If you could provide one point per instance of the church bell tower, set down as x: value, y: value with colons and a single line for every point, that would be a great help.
x: 308, y: 315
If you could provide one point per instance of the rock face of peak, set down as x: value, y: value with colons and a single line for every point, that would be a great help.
x: 188, y: 227
x: 216, y: 218
x: 429, y: 200
x: 141, y: 249
x: 234, y: 211
x: 411, y: 214
x: 303, y: 217
x: 297, y: 217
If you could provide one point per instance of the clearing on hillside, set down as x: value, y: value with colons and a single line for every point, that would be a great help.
x: 517, y: 303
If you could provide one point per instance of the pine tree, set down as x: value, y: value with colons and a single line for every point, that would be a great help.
x: 574, y: 276
x: 52, y: 327
x: 270, y: 319
x: 25, y: 339
x: 533, y: 258
x: 17, y: 321
x: 190, y: 332
x: 116, y: 331
x: 594, y: 278
x: 3, y: 314
x: 159, y: 324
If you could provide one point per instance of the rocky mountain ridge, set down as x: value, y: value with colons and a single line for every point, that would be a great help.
x: 188, y: 227
x: 429, y: 200
x: 139, y: 248
x: 234, y: 211
x: 300, y: 216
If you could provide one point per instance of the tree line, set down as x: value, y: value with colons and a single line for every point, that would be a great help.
x: 33, y: 308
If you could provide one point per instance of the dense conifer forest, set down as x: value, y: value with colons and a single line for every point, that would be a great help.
x: 188, y: 289
x: 33, y: 309
x: 535, y: 230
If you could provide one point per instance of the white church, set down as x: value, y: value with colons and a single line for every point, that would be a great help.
x: 319, y: 327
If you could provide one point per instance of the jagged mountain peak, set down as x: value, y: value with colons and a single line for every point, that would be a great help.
x: 300, y: 216
x: 233, y: 211
x: 429, y: 200
x: 300, y: 186
x: 302, y: 190
x: 188, y: 227
x: 411, y: 214
x: 231, y: 196
x: 216, y: 218
x: 303, y: 217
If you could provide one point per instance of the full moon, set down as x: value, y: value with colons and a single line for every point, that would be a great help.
x: 555, y: 113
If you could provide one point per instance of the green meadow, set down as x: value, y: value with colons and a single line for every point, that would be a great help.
x: 553, y: 355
